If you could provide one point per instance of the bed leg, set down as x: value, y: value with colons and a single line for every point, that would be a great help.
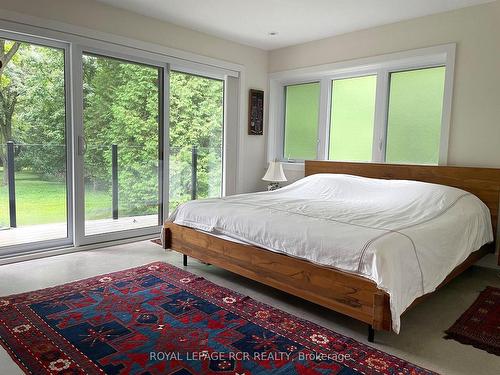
x: 184, y: 260
x: 167, y: 238
x: 371, y: 333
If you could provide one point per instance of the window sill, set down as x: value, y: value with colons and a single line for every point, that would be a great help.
x: 289, y: 166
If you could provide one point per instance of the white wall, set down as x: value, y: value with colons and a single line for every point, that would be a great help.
x: 100, y: 17
x: 475, y: 120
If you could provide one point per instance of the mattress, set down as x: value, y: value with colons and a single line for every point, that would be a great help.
x: 406, y: 236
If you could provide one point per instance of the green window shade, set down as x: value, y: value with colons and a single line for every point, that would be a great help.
x: 301, y: 120
x: 352, y: 117
x: 414, y: 118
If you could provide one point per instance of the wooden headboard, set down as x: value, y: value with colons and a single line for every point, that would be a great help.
x: 482, y: 182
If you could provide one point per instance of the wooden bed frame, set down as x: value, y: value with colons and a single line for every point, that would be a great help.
x: 349, y: 294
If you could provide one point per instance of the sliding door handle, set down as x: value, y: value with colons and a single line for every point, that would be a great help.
x: 82, y: 145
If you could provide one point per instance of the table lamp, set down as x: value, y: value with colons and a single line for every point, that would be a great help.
x: 274, y: 175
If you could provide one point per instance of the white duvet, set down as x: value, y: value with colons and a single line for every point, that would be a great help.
x: 407, y: 236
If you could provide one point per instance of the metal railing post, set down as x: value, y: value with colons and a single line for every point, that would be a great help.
x: 114, y: 174
x: 194, y: 174
x: 12, y: 184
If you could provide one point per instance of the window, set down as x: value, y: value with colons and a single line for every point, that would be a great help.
x: 196, y: 137
x: 414, y: 119
x: 33, y: 152
x: 301, y: 121
x: 121, y: 123
x: 352, y: 116
x: 393, y: 108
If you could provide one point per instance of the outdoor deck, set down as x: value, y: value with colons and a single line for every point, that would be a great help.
x: 32, y: 233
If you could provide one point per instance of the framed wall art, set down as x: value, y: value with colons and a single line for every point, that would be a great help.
x: 256, y: 112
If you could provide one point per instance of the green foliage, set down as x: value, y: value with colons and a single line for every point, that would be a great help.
x: 196, y: 119
x: 39, y: 122
x: 121, y: 107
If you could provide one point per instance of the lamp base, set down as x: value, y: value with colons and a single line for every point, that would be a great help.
x: 273, y: 186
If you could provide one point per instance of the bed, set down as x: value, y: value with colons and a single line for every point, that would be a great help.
x: 366, y: 240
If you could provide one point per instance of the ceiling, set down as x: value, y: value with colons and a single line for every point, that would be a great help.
x: 296, y: 21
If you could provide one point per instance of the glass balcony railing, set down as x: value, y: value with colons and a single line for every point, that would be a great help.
x: 120, y: 181
x: 32, y: 185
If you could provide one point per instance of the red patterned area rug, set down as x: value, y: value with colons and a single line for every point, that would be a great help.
x: 479, y: 326
x: 158, y: 319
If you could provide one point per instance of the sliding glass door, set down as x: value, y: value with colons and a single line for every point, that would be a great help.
x: 196, y: 130
x: 121, y: 147
x: 35, y: 182
x: 100, y: 144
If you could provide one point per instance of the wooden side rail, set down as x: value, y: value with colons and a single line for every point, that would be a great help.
x: 340, y: 291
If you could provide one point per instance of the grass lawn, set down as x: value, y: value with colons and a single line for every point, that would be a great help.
x: 42, y: 202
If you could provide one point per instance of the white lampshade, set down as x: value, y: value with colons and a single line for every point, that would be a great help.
x: 274, y: 172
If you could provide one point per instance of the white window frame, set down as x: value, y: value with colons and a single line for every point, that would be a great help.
x: 382, y: 66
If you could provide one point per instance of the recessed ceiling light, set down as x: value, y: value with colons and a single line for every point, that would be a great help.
x: 273, y: 33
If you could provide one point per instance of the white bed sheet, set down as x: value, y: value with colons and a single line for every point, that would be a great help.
x: 407, y: 236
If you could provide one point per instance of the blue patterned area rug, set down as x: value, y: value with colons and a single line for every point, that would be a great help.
x: 158, y: 319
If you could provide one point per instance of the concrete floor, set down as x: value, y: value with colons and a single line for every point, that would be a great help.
x: 420, y: 341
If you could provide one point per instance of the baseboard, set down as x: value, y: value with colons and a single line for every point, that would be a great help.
x: 69, y: 249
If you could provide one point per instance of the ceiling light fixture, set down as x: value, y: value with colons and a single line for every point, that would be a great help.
x: 273, y: 33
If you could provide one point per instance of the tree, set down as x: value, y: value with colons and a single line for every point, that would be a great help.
x: 8, y: 100
x: 121, y: 106
x: 41, y: 113
x: 196, y: 119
